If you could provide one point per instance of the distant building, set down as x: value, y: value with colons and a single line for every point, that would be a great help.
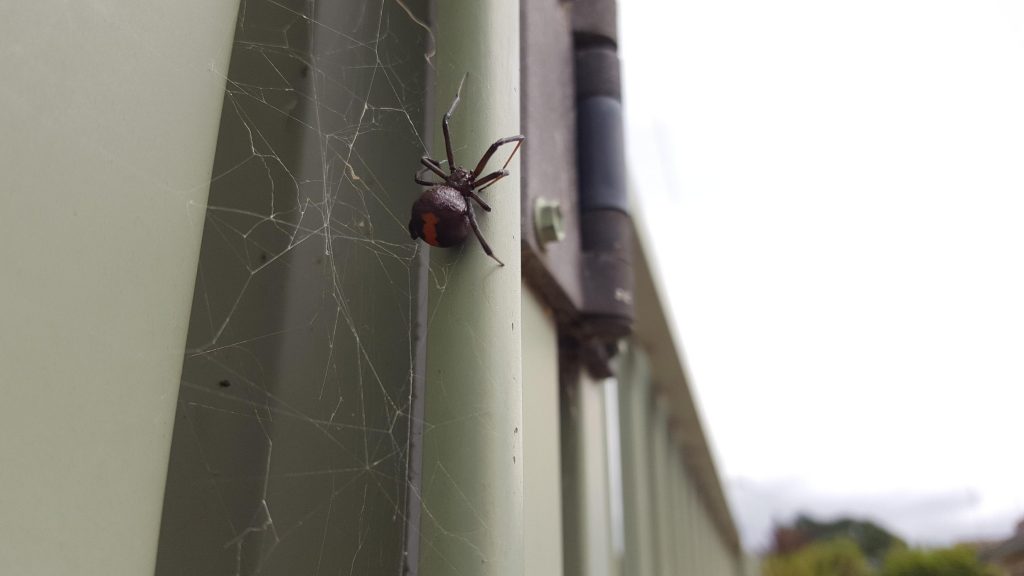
x: 1008, y: 554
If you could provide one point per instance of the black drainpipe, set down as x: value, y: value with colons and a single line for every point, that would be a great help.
x: 605, y: 222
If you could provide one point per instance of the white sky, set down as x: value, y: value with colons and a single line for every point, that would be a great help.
x: 836, y: 195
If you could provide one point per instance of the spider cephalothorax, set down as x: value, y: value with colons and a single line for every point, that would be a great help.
x: 460, y: 178
x: 443, y: 215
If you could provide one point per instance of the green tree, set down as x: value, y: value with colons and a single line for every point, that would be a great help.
x: 838, y: 557
x: 872, y: 539
x: 959, y: 561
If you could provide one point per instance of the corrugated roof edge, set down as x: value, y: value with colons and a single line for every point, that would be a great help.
x: 654, y: 331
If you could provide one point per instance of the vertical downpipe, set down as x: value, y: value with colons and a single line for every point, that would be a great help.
x: 472, y: 499
x: 634, y: 393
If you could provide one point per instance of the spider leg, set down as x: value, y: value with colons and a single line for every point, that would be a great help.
x: 489, y: 179
x: 479, y: 200
x: 420, y: 180
x: 433, y: 166
x: 479, y: 235
x: 444, y: 124
x: 494, y: 148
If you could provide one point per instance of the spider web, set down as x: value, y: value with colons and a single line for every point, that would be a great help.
x: 295, y: 439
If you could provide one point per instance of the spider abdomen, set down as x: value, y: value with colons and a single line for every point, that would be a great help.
x: 440, y: 217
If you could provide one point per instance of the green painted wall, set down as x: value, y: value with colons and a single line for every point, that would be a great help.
x: 542, y: 517
x: 109, y: 119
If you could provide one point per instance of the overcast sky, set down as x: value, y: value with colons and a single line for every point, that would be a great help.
x: 836, y: 195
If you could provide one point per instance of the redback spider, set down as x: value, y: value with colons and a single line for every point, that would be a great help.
x: 443, y: 215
